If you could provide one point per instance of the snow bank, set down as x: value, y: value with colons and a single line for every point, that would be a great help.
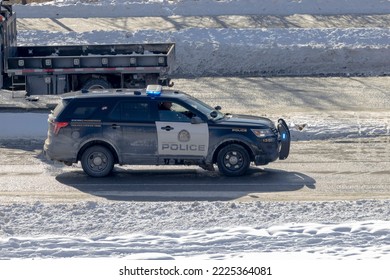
x: 23, y: 125
x: 137, y: 8
x: 205, y: 52
x: 201, y: 230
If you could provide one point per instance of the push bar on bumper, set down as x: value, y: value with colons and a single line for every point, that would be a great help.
x: 284, y: 138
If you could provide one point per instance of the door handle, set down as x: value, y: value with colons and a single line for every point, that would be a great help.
x: 115, y: 126
x: 167, y: 128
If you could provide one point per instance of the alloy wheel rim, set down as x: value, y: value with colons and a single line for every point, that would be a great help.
x: 97, y: 161
x: 233, y: 160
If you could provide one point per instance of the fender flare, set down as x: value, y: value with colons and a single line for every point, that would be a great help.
x: 98, y: 141
x: 230, y: 139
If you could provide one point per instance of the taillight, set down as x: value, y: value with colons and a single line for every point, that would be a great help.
x: 59, y: 125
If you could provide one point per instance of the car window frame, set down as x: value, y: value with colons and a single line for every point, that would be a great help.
x: 119, y: 103
x: 67, y: 113
x: 180, y: 102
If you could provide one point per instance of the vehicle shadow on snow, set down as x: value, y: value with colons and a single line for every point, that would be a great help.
x: 185, y: 184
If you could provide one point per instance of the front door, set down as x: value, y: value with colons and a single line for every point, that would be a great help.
x: 177, y: 135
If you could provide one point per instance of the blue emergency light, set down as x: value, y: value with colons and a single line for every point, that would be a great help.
x: 154, y: 90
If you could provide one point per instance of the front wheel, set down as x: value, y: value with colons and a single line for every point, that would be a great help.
x: 233, y: 160
x: 97, y: 161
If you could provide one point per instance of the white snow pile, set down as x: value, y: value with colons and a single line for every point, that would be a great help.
x: 138, y: 8
x: 196, y: 230
x: 239, y: 51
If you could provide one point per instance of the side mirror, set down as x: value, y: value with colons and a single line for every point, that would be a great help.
x: 214, y: 114
x: 196, y: 120
x: 218, y: 108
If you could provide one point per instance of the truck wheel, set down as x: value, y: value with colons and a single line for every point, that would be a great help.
x: 97, y: 161
x: 96, y: 84
x: 233, y: 160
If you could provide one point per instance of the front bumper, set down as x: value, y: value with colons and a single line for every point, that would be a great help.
x: 284, y: 138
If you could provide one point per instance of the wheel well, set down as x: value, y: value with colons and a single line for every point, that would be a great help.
x: 100, y: 143
x: 247, y: 148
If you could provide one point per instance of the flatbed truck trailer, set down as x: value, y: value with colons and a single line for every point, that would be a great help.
x: 60, y: 69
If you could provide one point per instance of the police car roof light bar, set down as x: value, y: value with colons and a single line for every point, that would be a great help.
x: 154, y: 90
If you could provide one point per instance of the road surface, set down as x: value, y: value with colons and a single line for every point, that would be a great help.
x: 316, y: 170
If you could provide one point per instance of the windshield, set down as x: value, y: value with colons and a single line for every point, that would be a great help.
x: 204, y: 108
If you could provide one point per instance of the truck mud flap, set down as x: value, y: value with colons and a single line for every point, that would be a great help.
x: 285, y: 139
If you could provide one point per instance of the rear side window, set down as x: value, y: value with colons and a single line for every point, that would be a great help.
x: 127, y: 111
x: 88, y: 110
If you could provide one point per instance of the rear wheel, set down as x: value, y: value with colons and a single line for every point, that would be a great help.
x: 233, y: 160
x: 97, y: 161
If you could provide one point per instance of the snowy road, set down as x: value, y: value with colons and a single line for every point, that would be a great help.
x: 347, y: 169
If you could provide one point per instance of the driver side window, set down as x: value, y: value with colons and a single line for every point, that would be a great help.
x: 173, y: 112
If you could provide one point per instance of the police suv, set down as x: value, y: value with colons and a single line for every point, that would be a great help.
x: 159, y: 127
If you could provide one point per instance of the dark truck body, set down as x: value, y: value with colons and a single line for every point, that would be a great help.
x: 60, y: 69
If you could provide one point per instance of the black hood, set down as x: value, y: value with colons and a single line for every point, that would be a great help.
x: 246, y: 120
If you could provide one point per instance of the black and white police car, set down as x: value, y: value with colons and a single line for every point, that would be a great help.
x: 159, y: 127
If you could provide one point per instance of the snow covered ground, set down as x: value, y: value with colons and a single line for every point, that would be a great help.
x: 197, y: 230
x: 137, y: 8
x: 216, y: 229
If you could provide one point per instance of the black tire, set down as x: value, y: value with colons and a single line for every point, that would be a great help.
x: 96, y: 84
x: 233, y: 160
x: 97, y: 161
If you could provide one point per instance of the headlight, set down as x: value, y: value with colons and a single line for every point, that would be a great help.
x: 263, y: 132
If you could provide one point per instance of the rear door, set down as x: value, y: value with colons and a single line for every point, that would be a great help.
x: 177, y: 134
x: 134, y: 129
